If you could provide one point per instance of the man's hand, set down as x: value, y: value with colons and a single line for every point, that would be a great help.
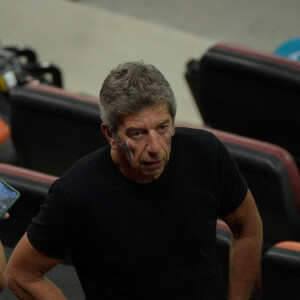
x: 2, y: 259
x: 5, y: 216
x: 2, y: 267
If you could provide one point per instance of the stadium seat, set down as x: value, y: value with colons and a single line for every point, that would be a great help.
x: 281, y: 272
x: 52, y: 128
x: 274, y: 180
x: 244, y: 91
x: 33, y: 187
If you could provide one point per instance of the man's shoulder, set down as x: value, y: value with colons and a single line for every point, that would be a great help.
x: 90, y: 165
x: 194, y: 136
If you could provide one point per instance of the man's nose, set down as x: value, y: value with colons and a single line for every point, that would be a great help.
x: 153, y: 145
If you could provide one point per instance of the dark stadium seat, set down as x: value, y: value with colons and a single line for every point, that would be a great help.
x: 244, y: 91
x: 281, y: 272
x: 33, y: 187
x: 274, y: 180
x: 52, y: 128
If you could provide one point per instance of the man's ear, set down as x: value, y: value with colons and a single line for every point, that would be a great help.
x: 173, y: 126
x: 111, y: 140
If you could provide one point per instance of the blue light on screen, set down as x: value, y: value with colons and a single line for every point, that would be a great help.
x: 6, y: 196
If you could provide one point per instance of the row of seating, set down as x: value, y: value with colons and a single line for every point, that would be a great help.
x: 248, y: 92
x: 52, y: 128
x: 274, y: 180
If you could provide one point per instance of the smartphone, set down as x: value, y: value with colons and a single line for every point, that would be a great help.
x: 8, y: 197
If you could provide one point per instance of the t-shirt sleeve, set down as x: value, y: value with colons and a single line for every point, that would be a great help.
x: 232, y: 185
x: 50, y: 230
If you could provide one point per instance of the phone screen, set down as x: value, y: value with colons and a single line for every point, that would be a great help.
x: 8, y: 196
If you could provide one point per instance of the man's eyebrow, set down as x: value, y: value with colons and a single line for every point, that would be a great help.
x: 166, y: 121
x: 132, y: 129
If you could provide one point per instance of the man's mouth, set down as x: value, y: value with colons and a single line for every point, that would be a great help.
x: 153, y: 164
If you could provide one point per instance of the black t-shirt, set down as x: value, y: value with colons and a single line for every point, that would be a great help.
x: 143, y: 241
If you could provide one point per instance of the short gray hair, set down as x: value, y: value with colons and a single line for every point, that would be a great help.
x: 130, y: 88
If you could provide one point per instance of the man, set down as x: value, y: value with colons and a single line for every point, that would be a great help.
x: 138, y: 217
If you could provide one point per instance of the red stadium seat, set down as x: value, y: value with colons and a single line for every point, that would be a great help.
x: 244, y: 91
x: 7, y: 152
x: 4, y: 131
x: 281, y: 272
x: 274, y: 180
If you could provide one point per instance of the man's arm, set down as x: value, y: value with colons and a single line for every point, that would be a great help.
x: 245, y: 251
x: 2, y: 267
x: 2, y: 260
x: 25, y: 273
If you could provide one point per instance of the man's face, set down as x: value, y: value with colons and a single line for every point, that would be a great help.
x: 143, y: 143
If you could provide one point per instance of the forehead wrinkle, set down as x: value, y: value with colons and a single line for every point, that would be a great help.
x: 145, y: 118
x: 143, y: 127
x: 132, y: 129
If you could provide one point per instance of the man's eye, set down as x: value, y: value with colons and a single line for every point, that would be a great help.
x: 163, y: 128
x: 136, y: 134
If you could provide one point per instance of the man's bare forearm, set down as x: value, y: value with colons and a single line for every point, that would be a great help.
x: 25, y: 273
x: 245, y: 254
x: 2, y: 266
x: 35, y: 290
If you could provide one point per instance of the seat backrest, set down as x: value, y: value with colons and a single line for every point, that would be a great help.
x: 281, y: 272
x: 274, y: 181
x: 53, y: 128
x: 244, y: 91
x: 33, y: 187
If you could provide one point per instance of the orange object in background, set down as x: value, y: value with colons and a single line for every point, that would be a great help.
x: 4, y: 131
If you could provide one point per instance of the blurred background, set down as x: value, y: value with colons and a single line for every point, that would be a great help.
x: 87, y: 38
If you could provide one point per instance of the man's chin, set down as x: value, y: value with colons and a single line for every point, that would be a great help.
x: 152, y: 174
